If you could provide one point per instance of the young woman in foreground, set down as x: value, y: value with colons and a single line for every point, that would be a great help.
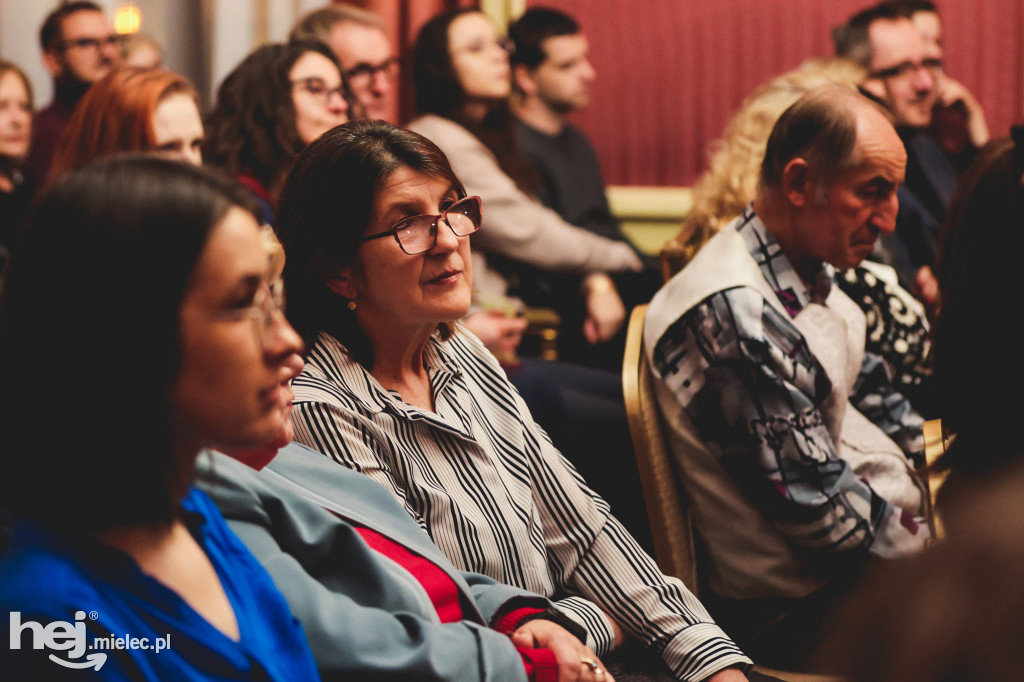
x: 139, y: 326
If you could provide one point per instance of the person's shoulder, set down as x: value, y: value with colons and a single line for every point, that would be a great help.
x: 727, y: 328
x: 39, y: 580
x: 302, y: 464
x: 430, y: 125
x: 330, y: 375
x: 528, y: 133
x: 571, y: 132
x: 468, y: 349
x: 467, y: 354
x: 50, y: 115
x: 315, y: 472
x: 724, y: 308
x: 459, y: 144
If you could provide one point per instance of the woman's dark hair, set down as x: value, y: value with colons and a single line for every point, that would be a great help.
x: 324, y: 211
x: 977, y: 276
x: 251, y: 129
x: 89, y: 341
x: 438, y: 92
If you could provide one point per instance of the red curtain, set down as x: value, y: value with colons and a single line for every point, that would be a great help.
x: 672, y: 72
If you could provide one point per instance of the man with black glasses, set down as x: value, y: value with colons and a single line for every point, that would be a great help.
x: 359, y: 41
x: 79, y: 48
x: 958, y: 119
x: 905, y: 75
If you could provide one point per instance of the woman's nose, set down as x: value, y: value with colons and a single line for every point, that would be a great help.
x: 446, y: 240
x: 283, y: 343
x: 336, y: 103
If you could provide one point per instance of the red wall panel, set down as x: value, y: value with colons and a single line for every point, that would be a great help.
x: 671, y: 72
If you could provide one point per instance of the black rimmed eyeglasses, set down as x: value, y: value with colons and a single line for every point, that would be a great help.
x: 906, y: 69
x: 96, y: 44
x: 418, y: 234
x: 319, y: 90
x: 361, y: 75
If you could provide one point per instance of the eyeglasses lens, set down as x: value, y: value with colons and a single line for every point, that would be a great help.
x: 419, y: 234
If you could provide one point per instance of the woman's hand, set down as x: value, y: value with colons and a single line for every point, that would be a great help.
x: 500, y: 333
x: 569, y: 651
x: 605, y: 312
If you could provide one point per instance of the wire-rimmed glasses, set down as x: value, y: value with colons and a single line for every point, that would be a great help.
x: 418, y: 234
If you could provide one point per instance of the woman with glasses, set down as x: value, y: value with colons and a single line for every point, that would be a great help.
x: 277, y: 101
x: 462, y: 77
x: 177, y: 345
x: 376, y: 227
x: 132, y: 109
x: 15, y: 136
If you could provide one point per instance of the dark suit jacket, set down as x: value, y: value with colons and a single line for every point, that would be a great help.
x: 923, y: 197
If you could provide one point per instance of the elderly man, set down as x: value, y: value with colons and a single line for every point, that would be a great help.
x: 797, y: 454
x: 357, y: 37
x: 905, y: 73
x: 79, y: 48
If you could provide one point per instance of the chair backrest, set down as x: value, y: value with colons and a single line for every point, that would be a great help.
x: 667, y: 507
x: 936, y: 441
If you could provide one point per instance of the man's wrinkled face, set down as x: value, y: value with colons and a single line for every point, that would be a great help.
x: 861, y: 203
x: 370, y: 66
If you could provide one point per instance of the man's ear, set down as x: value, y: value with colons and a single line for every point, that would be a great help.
x: 522, y: 76
x: 53, y: 63
x: 342, y: 283
x: 796, y: 182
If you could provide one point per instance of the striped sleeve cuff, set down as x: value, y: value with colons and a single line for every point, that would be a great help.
x: 600, y: 637
x: 699, y: 651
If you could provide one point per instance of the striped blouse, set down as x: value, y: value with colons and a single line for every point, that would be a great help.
x: 497, y: 497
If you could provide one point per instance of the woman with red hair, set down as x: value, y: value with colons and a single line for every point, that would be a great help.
x: 132, y: 109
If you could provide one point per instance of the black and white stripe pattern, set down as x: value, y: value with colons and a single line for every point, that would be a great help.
x: 497, y: 497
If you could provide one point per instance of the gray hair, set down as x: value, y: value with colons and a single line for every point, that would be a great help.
x: 317, y: 25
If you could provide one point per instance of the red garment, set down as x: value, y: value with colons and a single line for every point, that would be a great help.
x: 257, y: 188
x: 441, y: 589
x: 540, y: 664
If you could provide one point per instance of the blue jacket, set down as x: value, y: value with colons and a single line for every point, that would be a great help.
x: 365, y: 616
